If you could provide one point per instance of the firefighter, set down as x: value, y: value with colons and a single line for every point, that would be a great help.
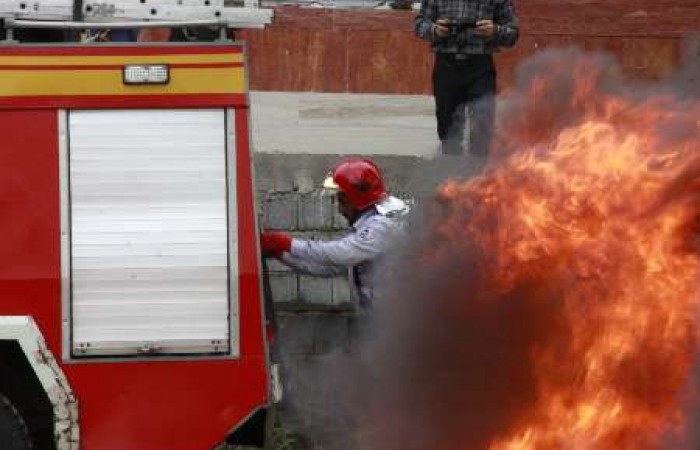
x: 376, y: 223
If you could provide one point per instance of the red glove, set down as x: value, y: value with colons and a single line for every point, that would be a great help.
x: 275, y: 243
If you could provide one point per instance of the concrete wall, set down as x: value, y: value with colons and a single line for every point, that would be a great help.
x: 318, y: 325
x: 290, y: 200
x: 316, y: 318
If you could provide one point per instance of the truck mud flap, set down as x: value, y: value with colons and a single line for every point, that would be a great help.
x: 255, y: 431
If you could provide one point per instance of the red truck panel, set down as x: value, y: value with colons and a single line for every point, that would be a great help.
x: 145, y: 404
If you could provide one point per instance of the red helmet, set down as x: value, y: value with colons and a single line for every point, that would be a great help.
x: 360, y: 180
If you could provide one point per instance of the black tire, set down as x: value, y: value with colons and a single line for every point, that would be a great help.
x: 14, y: 433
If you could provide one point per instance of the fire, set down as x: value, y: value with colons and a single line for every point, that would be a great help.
x: 589, y: 213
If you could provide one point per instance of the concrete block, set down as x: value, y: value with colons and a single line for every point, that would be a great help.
x: 303, y: 181
x: 284, y: 286
x: 264, y: 182
x: 276, y: 171
x: 339, y: 222
x: 307, y: 235
x: 296, y: 334
x: 274, y: 265
x: 331, y: 333
x: 273, y: 177
x: 280, y: 181
x: 341, y: 291
x: 316, y: 211
x: 316, y: 290
x: 280, y: 212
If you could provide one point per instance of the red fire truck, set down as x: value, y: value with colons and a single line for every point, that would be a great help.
x: 131, y: 302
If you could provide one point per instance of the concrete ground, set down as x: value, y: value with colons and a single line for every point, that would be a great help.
x: 323, y: 123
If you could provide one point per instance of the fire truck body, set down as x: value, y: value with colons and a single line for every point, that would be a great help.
x: 131, y: 313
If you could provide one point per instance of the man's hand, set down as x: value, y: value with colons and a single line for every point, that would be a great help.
x: 485, y: 28
x: 440, y: 28
x: 274, y: 243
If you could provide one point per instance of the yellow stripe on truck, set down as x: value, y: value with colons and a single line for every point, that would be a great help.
x: 227, y: 80
x: 119, y: 60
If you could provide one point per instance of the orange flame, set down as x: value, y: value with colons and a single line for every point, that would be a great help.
x: 594, y: 208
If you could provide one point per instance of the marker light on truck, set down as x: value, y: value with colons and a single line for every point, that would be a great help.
x: 146, y: 74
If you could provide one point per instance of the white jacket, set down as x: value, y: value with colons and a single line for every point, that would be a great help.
x: 373, y: 235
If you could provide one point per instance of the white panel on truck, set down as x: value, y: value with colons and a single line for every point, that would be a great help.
x: 149, y: 195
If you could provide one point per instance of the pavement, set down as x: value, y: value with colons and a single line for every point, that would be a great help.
x: 324, y: 123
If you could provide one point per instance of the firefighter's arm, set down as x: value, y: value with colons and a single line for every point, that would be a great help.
x: 331, y: 257
x: 506, y: 20
x: 365, y: 244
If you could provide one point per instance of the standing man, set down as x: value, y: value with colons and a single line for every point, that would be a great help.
x: 464, y: 34
x: 375, y: 228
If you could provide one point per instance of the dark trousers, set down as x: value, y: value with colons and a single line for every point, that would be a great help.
x: 464, y: 86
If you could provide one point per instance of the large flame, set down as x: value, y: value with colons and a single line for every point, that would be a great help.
x: 589, y: 213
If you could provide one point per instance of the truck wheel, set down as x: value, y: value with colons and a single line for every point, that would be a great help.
x: 14, y: 434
